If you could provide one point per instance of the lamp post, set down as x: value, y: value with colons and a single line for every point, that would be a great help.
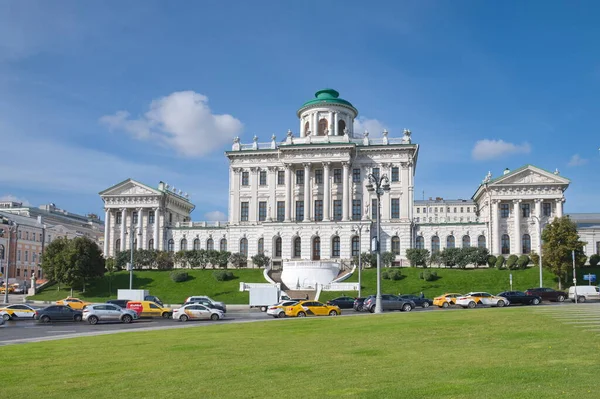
x: 358, y: 228
x: 12, y: 228
x: 132, y: 231
x: 539, y: 223
x: 378, y: 185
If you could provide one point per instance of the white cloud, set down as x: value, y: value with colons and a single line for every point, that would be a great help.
x: 215, y: 216
x: 374, y: 126
x: 10, y: 197
x: 183, y: 121
x: 490, y: 149
x: 576, y: 160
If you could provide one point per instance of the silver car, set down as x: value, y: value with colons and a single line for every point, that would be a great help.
x: 108, y: 312
x: 195, y: 311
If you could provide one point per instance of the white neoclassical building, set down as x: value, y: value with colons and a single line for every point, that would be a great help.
x: 302, y: 200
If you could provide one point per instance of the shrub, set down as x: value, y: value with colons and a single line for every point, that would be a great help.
x: 395, y: 275
x: 491, y: 261
x: 385, y: 275
x: 511, y: 262
x: 535, y: 258
x: 500, y: 262
x: 421, y: 276
x: 594, y: 259
x: 223, y: 275
x: 523, y: 261
x: 178, y: 276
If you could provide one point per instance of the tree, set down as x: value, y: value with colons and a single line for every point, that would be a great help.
x: 464, y: 256
x: 594, y: 259
x: 481, y: 256
x: 500, y: 262
x: 511, y: 262
x: 535, y: 258
x: 368, y: 259
x: 54, y: 260
x: 237, y: 259
x: 491, y: 261
x: 435, y: 258
x: 387, y: 258
x: 523, y: 262
x: 417, y: 257
x: 111, y: 268
x: 449, y: 256
x: 261, y: 260
x: 164, y: 260
x: 560, y: 238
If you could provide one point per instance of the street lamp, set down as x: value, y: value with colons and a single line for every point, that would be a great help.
x: 539, y: 223
x: 131, y: 233
x: 378, y: 185
x: 12, y: 228
x: 358, y: 228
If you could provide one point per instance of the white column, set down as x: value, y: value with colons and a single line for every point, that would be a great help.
x: 538, y: 208
x: 272, y: 204
x: 345, y: 190
x: 106, y: 232
x: 139, y: 235
x: 123, y: 218
x: 559, y: 208
x: 335, y: 124
x: 156, y: 223
x: 315, y: 124
x: 494, y: 232
x: 288, y: 192
x: 301, y: 127
x: 517, y: 229
x: 330, y: 124
x: 326, y: 191
x: 307, y: 193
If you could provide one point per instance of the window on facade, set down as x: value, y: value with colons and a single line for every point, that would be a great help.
x: 435, y: 209
x: 435, y: 244
x: 18, y: 272
x: 297, y: 247
x: 316, y: 248
x: 525, y: 210
x: 468, y: 209
x: 134, y: 217
x: 454, y: 209
x: 41, y: 237
x: 337, y: 210
x: 466, y: 242
x: 337, y: 175
x: 418, y: 210
x: 26, y: 256
x: 355, y: 246
x: 151, y: 217
x: 223, y: 245
x: 526, y: 244
x: 420, y: 242
x: 27, y: 235
x: 322, y: 127
x: 244, y: 247
x: 395, y: 208
x: 319, y: 176
x: 261, y: 246
x: 118, y: 245
x: 244, y: 212
x: 280, y: 211
x: 374, y: 208
x: 462, y: 209
x: 356, y: 209
x: 318, y: 210
x: 417, y: 219
x: 396, y: 245
x: 277, y: 250
x: 504, y: 210
x: 341, y: 127
x: 335, y: 247
x: 300, y: 176
x: 299, y: 210
x: 375, y: 173
x: 171, y: 245
x: 280, y: 177
x: 183, y: 245
x: 505, y: 244
x: 597, y: 247
x: 450, y: 242
x: 245, y: 178
x: 196, y: 244
x: 1, y: 251
x: 170, y: 217
x: 306, y: 128
x: 262, y: 178
x: 547, y: 209
x: 119, y: 218
x: 356, y: 175
x: 481, y: 241
x: 262, y: 211
x: 210, y: 244
x: 395, y: 174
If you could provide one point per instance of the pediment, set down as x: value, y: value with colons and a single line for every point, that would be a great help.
x: 130, y: 187
x: 531, y: 175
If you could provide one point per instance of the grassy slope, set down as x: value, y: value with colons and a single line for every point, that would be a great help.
x: 487, y: 353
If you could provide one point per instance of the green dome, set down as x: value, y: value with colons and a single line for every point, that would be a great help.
x: 328, y: 96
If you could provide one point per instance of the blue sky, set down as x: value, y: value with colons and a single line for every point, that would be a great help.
x: 94, y: 93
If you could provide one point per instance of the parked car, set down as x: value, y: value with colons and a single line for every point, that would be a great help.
x: 203, y: 299
x: 584, y: 293
x: 389, y: 302
x: 548, y: 294
x: 278, y: 310
x: 119, y: 302
x: 58, y: 313
x: 73, y: 303
x: 11, y: 289
x: 17, y: 312
x: 195, y: 311
x: 358, y: 304
x: 342, y: 302
x: 154, y: 299
x: 473, y: 299
x: 149, y: 309
x: 443, y: 301
x: 422, y: 302
x: 311, y: 308
x: 520, y: 297
x: 95, y: 313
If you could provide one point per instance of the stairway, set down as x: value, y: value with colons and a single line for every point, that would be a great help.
x: 301, y: 294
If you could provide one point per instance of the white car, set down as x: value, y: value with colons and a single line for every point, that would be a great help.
x: 195, y: 311
x: 278, y: 310
x: 473, y: 299
x: 17, y: 312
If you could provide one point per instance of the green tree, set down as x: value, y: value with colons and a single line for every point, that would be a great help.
x: 237, y: 259
x: 560, y: 238
x: 435, y: 258
x: 111, y: 267
x: 164, y: 260
x: 535, y: 258
x: 450, y: 256
x: 261, y: 260
x: 491, y: 261
x: 417, y: 257
x: 511, y: 262
x: 368, y: 260
x: 523, y: 262
x: 594, y: 260
x: 54, y: 260
x: 500, y: 262
x: 480, y: 257
x: 387, y: 258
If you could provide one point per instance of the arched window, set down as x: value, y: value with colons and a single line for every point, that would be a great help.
x: 244, y: 247
x: 118, y: 245
x: 466, y: 242
x: 223, y: 244
x: 505, y: 244
x: 183, y: 246
x: 341, y: 127
x: 151, y: 244
x: 322, y: 127
x: 355, y: 246
x: 297, y: 247
x: 306, y: 128
x: 1, y: 251
x: 450, y: 242
x: 196, y: 244
x: 481, y: 241
x: 261, y: 245
x: 435, y: 244
x: 316, y: 248
x: 171, y: 245
x: 277, y: 250
x: 420, y: 243
x: 335, y: 247
x: 526, y: 244
x: 210, y: 245
x: 396, y: 245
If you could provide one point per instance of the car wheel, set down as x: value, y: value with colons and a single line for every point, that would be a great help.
x: 6, y: 317
x: 425, y: 305
x: 45, y: 319
x: 301, y: 314
x: 127, y: 319
x: 77, y: 317
x: 407, y: 307
x: 93, y: 320
x: 263, y: 308
x: 471, y: 305
x: 535, y: 301
x: 166, y: 315
x: 500, y: 304
x: 214, y: 317
x: 581, y: 299
x: 183, y: 317
x: 561, y: 298
x: 333, y: 313
x: 445, y: 304
x: 372, y: 309
x: 281, y: 315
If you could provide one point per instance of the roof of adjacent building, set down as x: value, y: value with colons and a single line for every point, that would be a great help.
x: 583, y: 220
x: 327, y: 96
x: 444, y: 201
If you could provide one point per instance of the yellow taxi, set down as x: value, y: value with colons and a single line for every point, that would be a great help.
x: 73, y: 303
x: 11, y: 289
x: 311, y: 308
x: 17, y: 312
x: 149, y: 309
x: 443, y: 301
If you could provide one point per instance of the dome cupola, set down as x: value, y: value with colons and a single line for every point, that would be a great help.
x: 327, y: 115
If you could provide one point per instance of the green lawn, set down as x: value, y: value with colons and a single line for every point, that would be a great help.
x: 486, y: 353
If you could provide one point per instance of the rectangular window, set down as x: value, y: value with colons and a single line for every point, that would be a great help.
x: 280, y: 177
x: 597, y: 247
x: 262, y: 211
x: 299, y: 210
x: 318, y: 210
x: 435, y: 209
x: 547, y: 209
x: 356, y: 209
x: 454, y: 209
x: 19, y: 255
x: 504, y: 211
x: 18, y: 272
x: 337, y: 175
x: 462, y: 210
x: 337, y: 210
x: 41, y: 237
x: 418, y: 210
x: 356, y: 175
x: 319, y: 176
x: 375, y: 173
x: 417, y: 219
x: 26, y: 256
x: 525, y: 210
x: 244, y: 212
x: 395, y: 174
x: 262, y: 178
x: 20, y: 235
x: 300, y: 176
x: 395, y: 208
x: 374, y: 208
x: 468, y: 209
x: 27, y: 235
x: 280, y: 211
x: 245, y: 178
x: 134, y: 218
x: 151, y: 217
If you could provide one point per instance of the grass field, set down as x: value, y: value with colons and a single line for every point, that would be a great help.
x: 486, y: 353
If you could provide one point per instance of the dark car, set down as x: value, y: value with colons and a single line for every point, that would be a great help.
x: 342, y: 302
x: 547, y: 294
x: 358, y: 304
x: 207, y: 303
x: 119, y: 302
x: 58, y: 313
x: 423, y: 302
x: 389, y: 302
x: 520, y: 297
x: 154, y: 299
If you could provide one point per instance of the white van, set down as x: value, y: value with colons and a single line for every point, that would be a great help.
x: 584, y: 293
